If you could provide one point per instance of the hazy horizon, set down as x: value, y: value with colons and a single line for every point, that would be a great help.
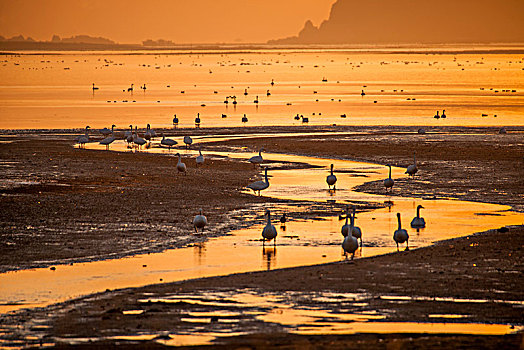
x: 131, y: 22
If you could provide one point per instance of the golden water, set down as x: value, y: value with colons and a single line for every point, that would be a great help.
x: 39, y: 91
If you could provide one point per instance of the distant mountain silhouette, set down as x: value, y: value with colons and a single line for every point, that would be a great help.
x: 78, y: 39
x: 416, y: 21
x: 159, y: 42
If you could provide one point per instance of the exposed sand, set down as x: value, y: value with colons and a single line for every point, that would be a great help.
x: 94, y: 205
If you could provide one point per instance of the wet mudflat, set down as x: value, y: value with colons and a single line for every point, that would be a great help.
x: 443, y: 315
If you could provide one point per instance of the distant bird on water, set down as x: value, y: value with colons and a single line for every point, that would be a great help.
x: 269, y: 231
x: 260, y: 185
x: 418, y: 221
x: 388, y: 183
x: 94, y: 87
x: 283, y: 219
x: 331, y: 180
x: 108, y: 140
x: 175, y: 121
x: 106, y: 131
x: 199, y: 222
x: 443, y: 114
x: 400, y: 236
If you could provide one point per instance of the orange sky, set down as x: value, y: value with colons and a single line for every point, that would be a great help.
x: 183, y: 21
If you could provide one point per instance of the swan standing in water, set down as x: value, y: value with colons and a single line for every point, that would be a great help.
x: 181, y: 167
x: 137, y: 139
x: 346, y: 228
x: 269, y: 231
x: 260, y: 185
x: 257, y: 159
x: 388, y: 183
x: 350, y: 245
x: 355, y: 230
x: 200, y: 157
x: 107, y: 141
x: 400, y: 236
x: 199, y: 221
x: 412, y: 169
x: 188, y: 141
x: 168, y: 142
x: 418, y: 221
x: 83, y: 139
x: 331, y: 180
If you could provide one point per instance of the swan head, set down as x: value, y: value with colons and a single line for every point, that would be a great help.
x: 398, y: 216
x: 88, y: 127
x: 420, y: 207
x: 200, y: 211
x: 332, y: 167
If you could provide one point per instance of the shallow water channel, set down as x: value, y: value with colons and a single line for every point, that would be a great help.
x: 303, y: 242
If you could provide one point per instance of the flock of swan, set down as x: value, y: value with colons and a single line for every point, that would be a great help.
x: 350, y: 232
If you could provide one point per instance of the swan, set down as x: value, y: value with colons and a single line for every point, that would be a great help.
x: 107, y: 141
x: 128, y: 135
x: 138, y: 140
x: 269, y: 231
x: 418, y: 221
x: 388, y: 183
x: 168, y: 142
x: 412, y: 169
x: 346, y: 228
x: 197, y: 120
x: 83, y: 139
x: 106, y: 131
x: 199, y: 221
x: 350, y: 245
x: 331, y: 180
x: 443, y: 114
x: 175, y: 121
x: 259, y: 185
x: 304, y: 119
x: 256, y: 100
x: 130, y: 89
x: 244, y: 119
x: 421, y: 131
x: 401, y: 235
x: 268, y: 93
x: 200, y: 157
x: 94, y: 87
x: 245, y: 92
x: 257, y: 159
x: 148, y: 134
x: 188, y: 141
x: 181, y: 167
x: 436, y: 116
x: 355, y: 230
x: 362, y: 93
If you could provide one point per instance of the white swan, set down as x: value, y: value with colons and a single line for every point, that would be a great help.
x: 388, y: 183
x: 355, y: 230
x: 346, y: 228
x: 83, y: 139
x: 257, y: 159
x: 181, y: 167
x: 188, y: 141
x: 148, y: 135
x: 269, y: 231
x: 350, y: 245
x: 260, y: 185
x: 199, y: 222
x: 200, y: 157
x: 400, y: 236
x: 412, y: 169
x: 331, y: 179
x: 107, y: 141
x: 137, y: 140
x: 418, y: 221
x: 168, y: 142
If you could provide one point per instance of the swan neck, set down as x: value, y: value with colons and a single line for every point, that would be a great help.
x: 399, y: 223
x: 390, y: 171
x: 418, y: 212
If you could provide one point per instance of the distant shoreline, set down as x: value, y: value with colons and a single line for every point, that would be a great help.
x: 40, y: 48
